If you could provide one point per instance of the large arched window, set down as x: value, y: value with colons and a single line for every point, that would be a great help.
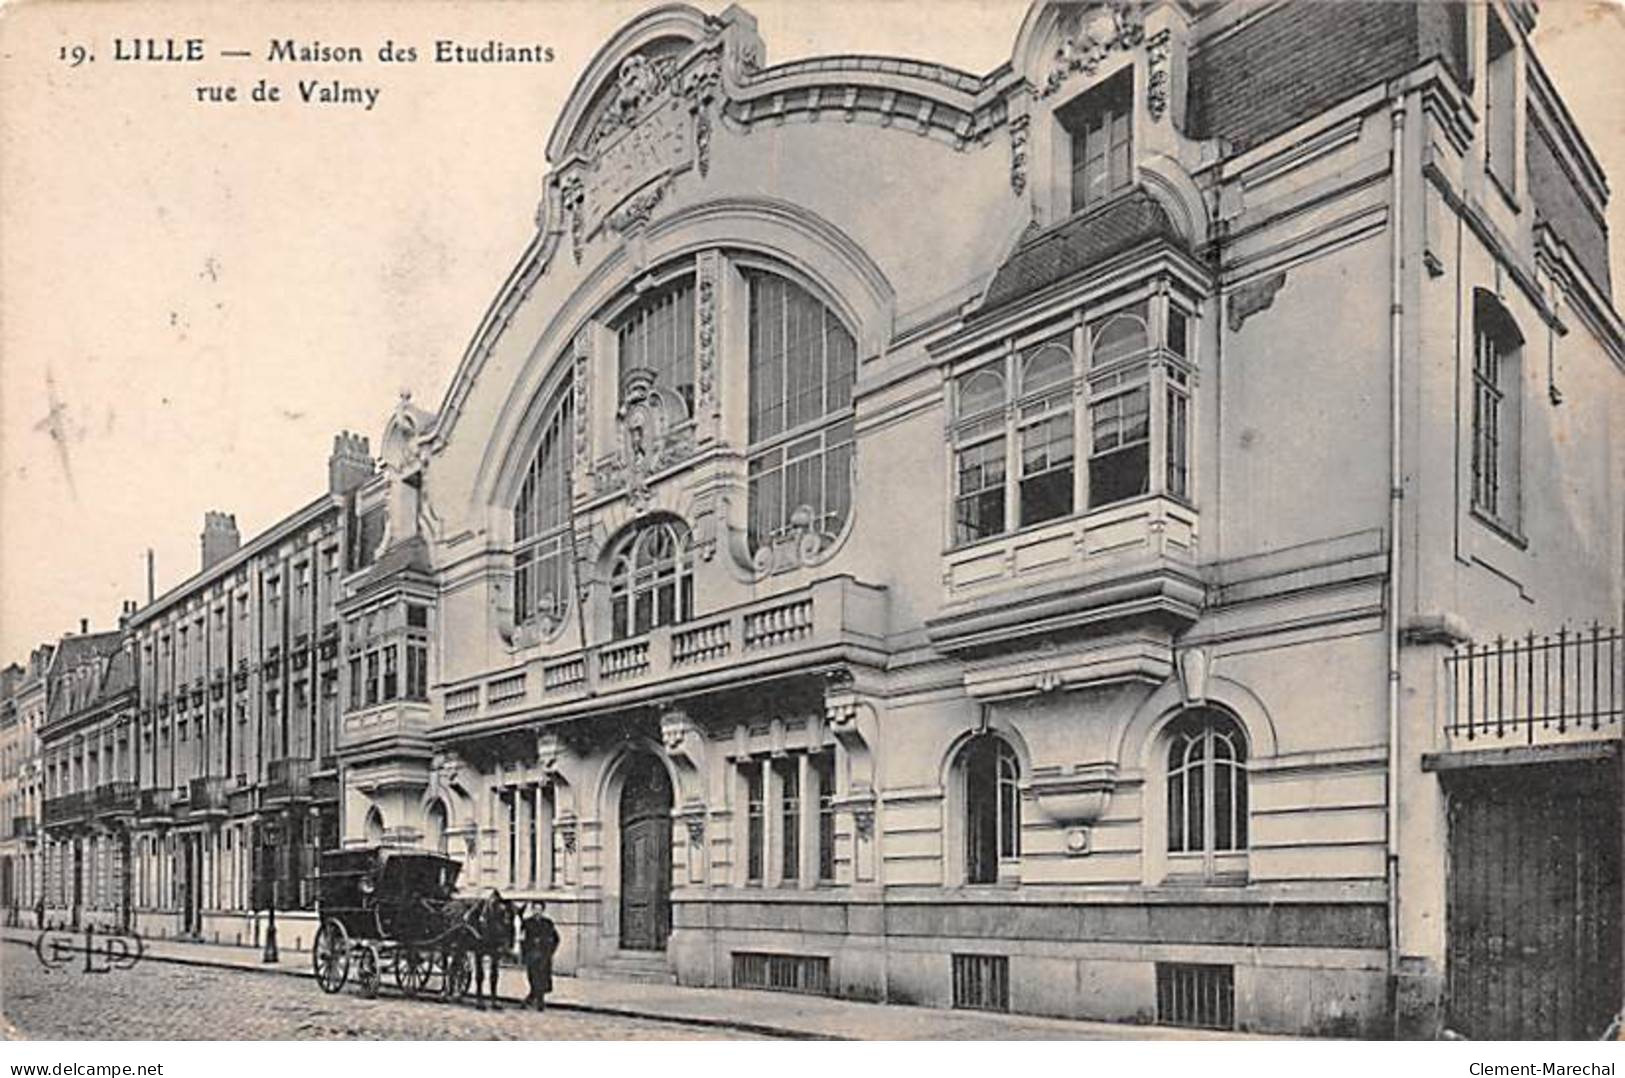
x: 1207, y: 793
x: 657, y: 335
x: 803, y: 362
x: 651, y: 580
x: 992, y: 800
x: 541, y: 521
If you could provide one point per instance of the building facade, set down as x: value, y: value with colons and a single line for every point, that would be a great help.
x: 203, y: 765
x: 1025, y: 540
x: 88, y: 766
x: 26, y: 774
x: 14, y: 836
x: 1132, y: 535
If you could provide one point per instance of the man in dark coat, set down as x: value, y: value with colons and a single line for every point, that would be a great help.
x: 538, y: 940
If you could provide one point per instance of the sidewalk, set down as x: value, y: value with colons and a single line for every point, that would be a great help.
x: 772, y: 1014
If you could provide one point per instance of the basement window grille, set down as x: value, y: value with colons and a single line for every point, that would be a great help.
x: 982, y: 982
x: 1200, y: 997
x: 807, y: 974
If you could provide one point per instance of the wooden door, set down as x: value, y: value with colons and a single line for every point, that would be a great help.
x: 645, y: 856
x: 1533, y: 906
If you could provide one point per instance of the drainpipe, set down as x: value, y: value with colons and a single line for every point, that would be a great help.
x: 1396, y: 348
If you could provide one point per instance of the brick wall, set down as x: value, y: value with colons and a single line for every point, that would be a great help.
x: 1295, y: 61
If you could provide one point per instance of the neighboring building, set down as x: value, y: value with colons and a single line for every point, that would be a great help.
x: 87, y: 756
x: 32, y: 706
x: 202, y: 760
x: 14, y: 823
x: 1048, y: 540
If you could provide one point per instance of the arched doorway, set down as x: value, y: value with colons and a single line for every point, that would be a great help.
x: 645, y: 855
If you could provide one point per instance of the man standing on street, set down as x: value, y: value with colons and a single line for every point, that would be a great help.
x: 539, y: 939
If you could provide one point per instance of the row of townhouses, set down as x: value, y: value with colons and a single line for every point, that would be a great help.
x: 1137, y: 534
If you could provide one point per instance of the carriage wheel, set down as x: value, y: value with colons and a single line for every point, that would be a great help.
x: 367, y: 973
x: 458, y: 975
x: 412, y: 968
x: 330, y: 955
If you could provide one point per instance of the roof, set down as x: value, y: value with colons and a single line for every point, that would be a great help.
x: 1078, y: 244
x: 409, y: 554
x: 112, y: 677
x: 255, y: 545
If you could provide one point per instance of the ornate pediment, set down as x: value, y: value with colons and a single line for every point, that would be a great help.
x: 653, y: 122
x: 1090, y: 33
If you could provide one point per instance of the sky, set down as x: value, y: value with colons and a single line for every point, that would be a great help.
x: 196, y: 296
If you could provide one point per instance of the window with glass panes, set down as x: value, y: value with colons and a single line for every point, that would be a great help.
x: 755, y: 822
x: 651, y: 580
x: 823, y: 766
x: 1497, y: 374
x: 657, y: 334
x: 1016, y: 426
x: 789, y: 770
x: 992, y: 799
x: 1099, y: 129
x: 1207, y: 811
x: 541, y: 521
x: 802, y: 365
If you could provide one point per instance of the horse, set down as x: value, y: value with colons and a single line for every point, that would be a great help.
x: 488, y: 924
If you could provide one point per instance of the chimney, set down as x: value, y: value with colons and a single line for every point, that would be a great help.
x: 351, y: 463
x: 84, y: 626
x: 149, y: 576
x: 126, y: 612
x: 220, y: 540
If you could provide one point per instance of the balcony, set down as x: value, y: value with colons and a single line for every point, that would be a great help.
x: 832, y: 620
x: 153, y: 805
x: 1534, y: 697
x: 22, y: 827
x: 64, y: 810
x: 115, y: 799
x: 287, y: 779
x: 208, y: 796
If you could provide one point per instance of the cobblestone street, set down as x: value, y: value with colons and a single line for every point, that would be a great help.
x: 160, y: 1001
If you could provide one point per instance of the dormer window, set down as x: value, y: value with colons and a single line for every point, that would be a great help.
x: 1099, y: 129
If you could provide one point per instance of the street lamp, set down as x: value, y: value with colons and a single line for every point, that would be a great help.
x: 273, y: 841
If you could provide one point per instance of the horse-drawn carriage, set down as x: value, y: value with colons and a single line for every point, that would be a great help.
x: 396, y: 911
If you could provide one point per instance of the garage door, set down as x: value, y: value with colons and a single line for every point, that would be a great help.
x: 1534, y: 897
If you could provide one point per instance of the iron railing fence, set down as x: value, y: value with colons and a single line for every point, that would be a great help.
x: 1558, y: 686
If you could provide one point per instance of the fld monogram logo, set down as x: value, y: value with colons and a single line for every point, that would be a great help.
x: 58, y: 950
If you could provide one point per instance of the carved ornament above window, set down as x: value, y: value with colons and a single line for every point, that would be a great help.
x: 654, y: 433
x: 1091, y: 36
